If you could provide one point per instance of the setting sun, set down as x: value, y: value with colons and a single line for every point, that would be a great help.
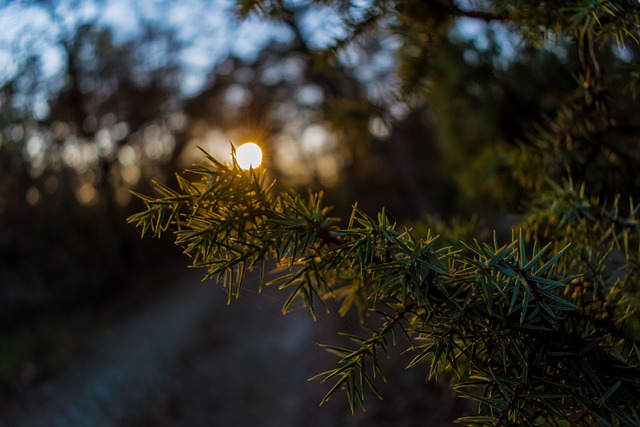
x: 249, y: 155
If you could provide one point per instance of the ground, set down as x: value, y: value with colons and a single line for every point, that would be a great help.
x: 185, y: 358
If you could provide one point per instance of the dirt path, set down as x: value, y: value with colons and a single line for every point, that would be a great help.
x: 120, y: 365
x: 188, y: 359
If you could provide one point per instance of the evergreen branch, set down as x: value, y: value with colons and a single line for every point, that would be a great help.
x: 353, y: 361
x: 504, y: 310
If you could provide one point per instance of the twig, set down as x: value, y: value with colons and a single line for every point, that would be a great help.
x: 505, y: 412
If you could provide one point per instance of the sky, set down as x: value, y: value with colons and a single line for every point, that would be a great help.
x: 208, y: 30
x: 31, y: 29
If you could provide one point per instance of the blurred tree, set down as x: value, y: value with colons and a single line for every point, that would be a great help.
x: 541, y: 329
x: 76, y: 164
x: 72, y: 144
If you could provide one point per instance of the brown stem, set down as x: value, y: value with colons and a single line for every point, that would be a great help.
x: 580, y: 418
x: 326, y: 238
x: 505, y: 412
x: 399, y: 316
x: 594, y: 61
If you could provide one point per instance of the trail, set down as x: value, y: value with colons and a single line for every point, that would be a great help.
x: 188, y: 359
x: 123, y: 363
x: 185, y: 336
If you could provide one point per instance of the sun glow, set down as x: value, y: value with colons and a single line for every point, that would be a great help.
x: 249, y: 155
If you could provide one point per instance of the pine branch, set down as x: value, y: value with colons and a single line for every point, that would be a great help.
x: 490, y: 308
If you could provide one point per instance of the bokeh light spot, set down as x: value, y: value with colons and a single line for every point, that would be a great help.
x: 33, y: 196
